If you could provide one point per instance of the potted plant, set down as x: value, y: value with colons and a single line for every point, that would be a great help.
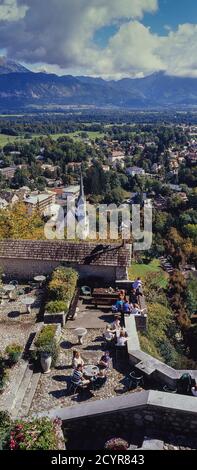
x: 47, y: 347
x: 14, y: 352
x: 46, y: 358
x: 117, y: 443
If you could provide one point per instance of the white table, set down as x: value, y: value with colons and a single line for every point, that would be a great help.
x: 9, y: 288
x: 90, y: 371
x: 40, y: 280
x: 80, y: 333
x: 28, y: 302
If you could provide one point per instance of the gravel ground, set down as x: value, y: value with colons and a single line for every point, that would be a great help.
x: 14, y: 311
x: 52, y: 388
x: 14, y: 333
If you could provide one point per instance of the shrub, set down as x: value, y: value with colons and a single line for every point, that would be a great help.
x: 37, y: 434
x: 56, y: 306
x: 62, y: 285
x: 47, y: 343
x: 5, y: 425
x: 116, y: 444
x: 14, y: 352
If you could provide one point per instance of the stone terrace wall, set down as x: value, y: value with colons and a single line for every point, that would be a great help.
x: 148, y: 365
x: 26, y: 269
x: 148, y: 410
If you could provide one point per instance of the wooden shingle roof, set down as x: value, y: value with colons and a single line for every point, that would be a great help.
x: 75, y: 253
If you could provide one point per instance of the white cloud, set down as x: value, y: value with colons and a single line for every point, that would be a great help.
x: 58, y: 35
x: 10, y: 11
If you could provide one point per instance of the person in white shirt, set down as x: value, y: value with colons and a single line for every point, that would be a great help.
x: 135, y: 310
x: 77, y: 360
x: 108, y: 334
x: 137, y: 284
x: 122, y: 339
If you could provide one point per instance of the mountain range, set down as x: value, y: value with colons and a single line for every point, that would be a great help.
x: 22, y: 88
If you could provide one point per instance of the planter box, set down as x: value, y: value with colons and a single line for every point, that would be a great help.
x: 55, y: 318
x: 57, y: 336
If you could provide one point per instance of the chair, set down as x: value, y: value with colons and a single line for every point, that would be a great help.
x: 86, y: 291
x: 135, y: 381
x: 13, y: 283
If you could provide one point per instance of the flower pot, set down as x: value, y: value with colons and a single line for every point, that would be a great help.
x: 46, y: 360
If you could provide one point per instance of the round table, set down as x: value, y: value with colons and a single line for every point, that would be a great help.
x: 80, y: 333
x: 40, y: 280
x: 28, y: 302
x: 9, y: 288
x: 91, y: 371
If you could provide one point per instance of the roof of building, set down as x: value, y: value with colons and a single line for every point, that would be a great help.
x: 72, y: 189
x: 38, y: 198
x: 75, y: 253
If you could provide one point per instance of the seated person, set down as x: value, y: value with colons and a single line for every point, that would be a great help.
x: 78, y: 377
x: 126, y: 306
x: 137, y: 284
x: 116, y: 325
x: 77, y: 359
x: 194, y: 390
x: 104, y: 362
x: 133, y: 297
x: 121, y: 341
x: 108, y: 334
x: 118, y: 305
x: 136, y: 310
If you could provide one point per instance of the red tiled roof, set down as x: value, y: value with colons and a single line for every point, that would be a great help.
x: 76, y: 253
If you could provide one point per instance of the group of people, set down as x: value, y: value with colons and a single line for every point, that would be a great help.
x: 79, y: 376
x: 131, y: 306
x: 115, y: 333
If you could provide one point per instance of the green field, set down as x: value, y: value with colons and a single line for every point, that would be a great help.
x: 5, y: 139
x: 143, y: 270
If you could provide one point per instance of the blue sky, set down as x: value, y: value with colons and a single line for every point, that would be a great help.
x: 108, y: 38
x: 170, y: 14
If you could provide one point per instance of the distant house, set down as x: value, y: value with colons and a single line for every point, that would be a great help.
x: 8, y: 172
x: 134, y: 170
x: 116, y: 156
x: 41, y: 202
x: 71, y: 191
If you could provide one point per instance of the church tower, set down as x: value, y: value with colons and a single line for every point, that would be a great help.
x: 81, y: 213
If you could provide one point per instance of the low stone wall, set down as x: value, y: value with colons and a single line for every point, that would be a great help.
x: 151, y: 411
x: 148, y: 365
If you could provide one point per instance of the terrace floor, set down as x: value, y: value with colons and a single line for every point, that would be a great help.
x: 91, y: 317
x: 53, y: 391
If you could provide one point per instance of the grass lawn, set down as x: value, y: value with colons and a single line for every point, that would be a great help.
x: 9, y: 139
x: 143, y: 270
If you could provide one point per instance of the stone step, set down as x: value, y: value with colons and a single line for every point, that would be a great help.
x: 11, y: 396
x: 27, y: 401
x: 21, y: 392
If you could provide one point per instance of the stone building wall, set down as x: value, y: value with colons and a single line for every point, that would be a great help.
x: 23, y: 269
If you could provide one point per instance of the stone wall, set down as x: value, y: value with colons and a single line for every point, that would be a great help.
x: 151, y: 411
x: 23, y: 269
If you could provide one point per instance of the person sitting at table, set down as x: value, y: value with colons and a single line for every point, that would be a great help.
x: 104, y: 362
x: 108, y: 334
x: 116, y: 325
x: 78, y: 377
x: 133, y: 297
x: 122, y: 339
x: 117, y: 307
x: 126, y: 306
x: 77, y: 359
x: 136, y: 310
